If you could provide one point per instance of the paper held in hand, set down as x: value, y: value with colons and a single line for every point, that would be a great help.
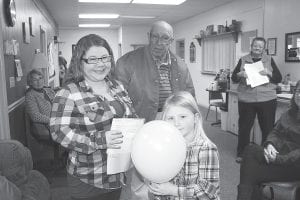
x: 254, y: 77
x: 119, y: 160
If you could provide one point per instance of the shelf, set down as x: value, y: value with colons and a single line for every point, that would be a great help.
x: 235, y: 35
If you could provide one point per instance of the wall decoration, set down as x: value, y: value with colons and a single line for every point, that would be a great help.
x: 247, y: 38
x: 10, y: 12
x: 11, y: 47
x: 51, y: 57
x: 73, y: 48
x: 192, y: 53
x: 18, y: 67
x: 271, y: 46
x: 26, y: 33
x: 31, y: 26
x: 292, y: 47
x: 43, y: 40
x: 12, y: 81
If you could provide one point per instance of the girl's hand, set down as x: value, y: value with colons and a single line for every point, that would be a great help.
x: 163, y: 188
x: 114, y: 139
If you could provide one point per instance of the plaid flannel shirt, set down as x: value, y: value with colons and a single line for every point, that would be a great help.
x: 199, y: 177
x: 79, y: 120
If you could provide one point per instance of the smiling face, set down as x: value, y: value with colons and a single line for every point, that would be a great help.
x: 183, y: 119
x: 37, y: 81
x: 258, y: 47
x: 98, y: 71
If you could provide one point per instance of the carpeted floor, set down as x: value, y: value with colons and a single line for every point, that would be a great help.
x: 229, y: 169
x: 226, y: 143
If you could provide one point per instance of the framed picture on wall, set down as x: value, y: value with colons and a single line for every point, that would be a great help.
x: 192, y: 53
x: 31, y: 26
x: 26, y: 33
x: 73, y: 48
x: 271, y: 46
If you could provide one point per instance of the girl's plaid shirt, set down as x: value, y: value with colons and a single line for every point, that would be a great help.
x: 79, y: 120
x: 199, y: 177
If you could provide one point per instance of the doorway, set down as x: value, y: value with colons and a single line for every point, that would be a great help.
x: 180, y: 44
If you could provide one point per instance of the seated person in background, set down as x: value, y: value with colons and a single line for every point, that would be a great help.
x: 38, y: 99
x: 279, y: 159
x: 62, y: 67
x: 199, y: 177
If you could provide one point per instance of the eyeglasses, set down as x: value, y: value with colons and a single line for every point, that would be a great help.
x: 95, y: 60
x: 163, y: 39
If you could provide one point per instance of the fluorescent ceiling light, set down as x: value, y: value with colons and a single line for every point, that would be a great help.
x: 104, y: 1
x: 137, y: 17
x: 163, y: 2
x: 89, y: 16
x: 94, y: 25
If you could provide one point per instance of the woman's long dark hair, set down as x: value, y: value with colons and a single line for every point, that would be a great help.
x: 294, y: 109
x: 75, y: 71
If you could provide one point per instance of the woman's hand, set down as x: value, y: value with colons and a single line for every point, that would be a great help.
x: 265, y: 72
x: 163, y: 188
x: 270, y: 153
x: 242, y: 74
x: 114, y: 139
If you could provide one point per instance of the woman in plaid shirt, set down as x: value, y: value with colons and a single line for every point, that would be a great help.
x: 81, y: 118
x: 199, y: 177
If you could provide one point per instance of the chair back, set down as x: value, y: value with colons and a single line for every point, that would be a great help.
x: 215, y: 96
x: 40, y: 132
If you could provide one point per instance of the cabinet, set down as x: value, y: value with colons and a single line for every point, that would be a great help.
x: 233, y: 114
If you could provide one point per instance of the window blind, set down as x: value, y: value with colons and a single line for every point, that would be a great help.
x: 218, y: 53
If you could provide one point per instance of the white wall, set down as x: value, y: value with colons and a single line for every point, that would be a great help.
x: 133, y: 35
x: 70, y: 36
x: 282, y: 17
x: 249, y: 12
x: 126, y: 35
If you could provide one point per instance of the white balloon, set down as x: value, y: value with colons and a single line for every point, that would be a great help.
x: 158, y: 151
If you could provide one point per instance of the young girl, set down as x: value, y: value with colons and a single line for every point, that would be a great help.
x: 199, y: 177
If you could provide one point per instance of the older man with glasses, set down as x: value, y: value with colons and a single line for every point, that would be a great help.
x: 152, y: 73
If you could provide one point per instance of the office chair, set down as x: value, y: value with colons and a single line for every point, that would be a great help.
x: 215, y: 99
x: 281, y: 190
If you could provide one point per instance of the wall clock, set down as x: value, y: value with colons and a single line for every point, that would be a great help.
x: 10, y: 12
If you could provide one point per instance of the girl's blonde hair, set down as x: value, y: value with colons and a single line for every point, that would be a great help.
x: 186, y: 100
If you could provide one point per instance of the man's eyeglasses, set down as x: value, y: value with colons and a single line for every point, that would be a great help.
x: 163, y: 39
x: 95, y: 60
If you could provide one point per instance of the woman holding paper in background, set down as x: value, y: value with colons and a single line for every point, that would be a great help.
x: 81, y: 118
x: 259, y: 100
